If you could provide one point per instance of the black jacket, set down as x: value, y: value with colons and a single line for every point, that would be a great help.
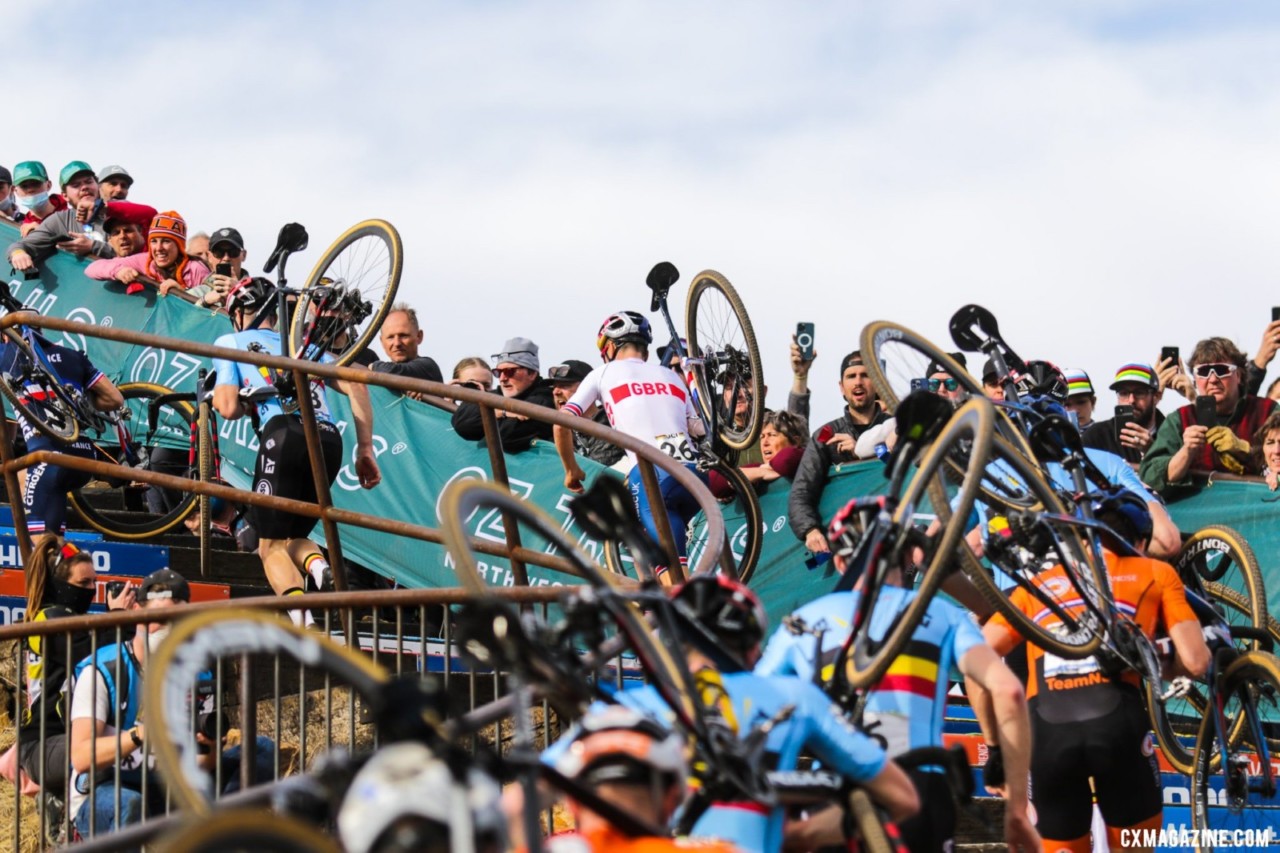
x: 597, y: 449
x: 421, y: 367
x: 811, y: 476
x: 516, y: 434
x: 1103, y: 435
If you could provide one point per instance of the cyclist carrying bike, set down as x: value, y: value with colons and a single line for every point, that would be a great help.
x: 905, y: 709
x: 1089, y: 721
x: 647, y: 401
x: 283, y: 464
x: 45, y: 495
x: 723, y: 626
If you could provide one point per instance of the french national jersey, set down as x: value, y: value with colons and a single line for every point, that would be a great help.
x: 251, y: 376
x: 647, y: 401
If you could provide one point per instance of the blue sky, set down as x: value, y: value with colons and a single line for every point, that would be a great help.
x: 1102, y: 175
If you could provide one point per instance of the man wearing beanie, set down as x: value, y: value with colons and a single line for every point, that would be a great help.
x: 84, y: 222
x: 165, y: 261
x: 517, y: 370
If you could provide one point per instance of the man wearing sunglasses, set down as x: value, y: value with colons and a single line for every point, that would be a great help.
x: 1188, y: 442
x: 517, y: 368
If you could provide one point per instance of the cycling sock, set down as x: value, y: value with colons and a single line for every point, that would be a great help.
x: 317, y: 567
x: 302, y: 618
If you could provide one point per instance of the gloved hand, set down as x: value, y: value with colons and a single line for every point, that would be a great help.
x: 1232, y: 464
x: 1223, y: 440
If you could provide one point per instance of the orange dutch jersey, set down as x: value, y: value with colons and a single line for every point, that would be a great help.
x: 1146, y: 590
x: 616, y: 842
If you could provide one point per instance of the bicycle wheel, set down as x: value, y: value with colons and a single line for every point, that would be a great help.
x: 34, y: 392
x: 128, y: 510
x: 1240, y: 794
x: 204, y: 466
x: 745, y: 540
x: 353, y: 284
x: 247, y: 831
x: 720, y: 333
x: 873, y: 835
x: 895, y: 356
x: 192, y: 645
x: 892, y: 618
x: 1220, y: 555
x: 1075, y: 630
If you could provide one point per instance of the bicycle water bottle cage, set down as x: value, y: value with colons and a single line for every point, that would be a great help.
x: 293, y: 238
x: 921, y: 416
x: 660, y: 278
x: 1055, y: 439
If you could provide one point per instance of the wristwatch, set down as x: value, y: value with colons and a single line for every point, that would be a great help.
x: 133, y: 736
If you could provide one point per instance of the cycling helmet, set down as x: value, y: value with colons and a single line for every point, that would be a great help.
x: 727, y: 610
x: 1042, y: 379
x: 405, y: 798
x: 618, y: 744
x: 1122, y: 511
x: 1045, y: 405
x: 251, y: 294
x: 625, y: 327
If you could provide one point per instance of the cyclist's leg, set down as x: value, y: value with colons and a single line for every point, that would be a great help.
x: 641, y: 499
x: 45, y: 496
x: 1126, y: 775
x: 680, y: 505
x: 933, y: 827
x: 1060, y: 785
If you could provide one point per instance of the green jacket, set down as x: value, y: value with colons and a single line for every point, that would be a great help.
x: 1248, y: 415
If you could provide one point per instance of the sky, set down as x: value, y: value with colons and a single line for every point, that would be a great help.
x: 1101, y: 175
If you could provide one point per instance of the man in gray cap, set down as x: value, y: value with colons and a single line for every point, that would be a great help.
x: 114, y: 183
x: 517, y: 370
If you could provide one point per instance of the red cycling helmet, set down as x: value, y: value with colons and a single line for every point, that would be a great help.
x: 725, y: 608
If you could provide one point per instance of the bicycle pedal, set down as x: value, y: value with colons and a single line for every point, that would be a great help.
x: 1178, y: 688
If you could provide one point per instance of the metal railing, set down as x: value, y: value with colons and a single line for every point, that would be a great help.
x: 301, y: 715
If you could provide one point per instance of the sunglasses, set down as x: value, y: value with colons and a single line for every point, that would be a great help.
x: 504, y: 372
x: 559, y: 371
x: 224, y: 250
x: 1222, y: 371
x: 949, y: 384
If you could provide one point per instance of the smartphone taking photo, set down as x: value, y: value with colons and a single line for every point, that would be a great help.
x: 1206, y: 411
x: 804, y: 340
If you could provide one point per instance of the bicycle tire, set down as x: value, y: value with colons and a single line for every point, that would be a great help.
x: 873, y: 837
x: 751, y: 532
x: 711, y: 336
x: 376, y: 257
x: 204, y: 469
x: 123, y: 525
x: 247, y: 831
x: 1221, y: 555
x: 894, y: 355
x: 994, y: 582
x: 1252, y: 680
x: 197, y: 639
x: 869, y: 658
x: 54, y: 415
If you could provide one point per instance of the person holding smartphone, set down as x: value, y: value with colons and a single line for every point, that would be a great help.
x: 1203, y: 438
x: 1138, y: 416
x: 165, y: 261
x: 226, y: 254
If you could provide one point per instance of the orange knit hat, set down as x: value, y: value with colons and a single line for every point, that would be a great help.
x: 170, y: 224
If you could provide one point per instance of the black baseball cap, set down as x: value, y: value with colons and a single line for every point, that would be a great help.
x: 937, y: 367
x: 989, y: 371
x: 568, y: 372
x: 226, y: 235
x: 165, y: 583
x: 6, y: 177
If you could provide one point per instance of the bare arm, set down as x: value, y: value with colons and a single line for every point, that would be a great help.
x: 362, y: 414
x: 226, y: 399
x: 89, y: 748
x: 1191, y: 651
x: 573, y: 473
x: 892, y: 789
x: 105, y: 395
x: 1166, y: 540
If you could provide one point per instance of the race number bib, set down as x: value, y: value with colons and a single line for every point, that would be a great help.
x: 676, y: 446
x: 1056, y: 667
x: 893, y: 731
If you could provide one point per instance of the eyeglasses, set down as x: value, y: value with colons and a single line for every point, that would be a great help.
x: 559, y: 371
x: 1129, y: 393
x: 1220, y: 370
x: 224, y: 250
x: 949, y: 384
x: 504, y: 372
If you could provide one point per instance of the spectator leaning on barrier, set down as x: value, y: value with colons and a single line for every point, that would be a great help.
x: 832, y: 444
x: 565, y: 379
x: 78, y: 229
x: 1266, y: 449
x: 400, y: 337
x: 1136, y: 386
x: 198, y: 248
x: 517, y: 369
x: 224, y: 247
x: 165, y: 262
x: 473, y: 372
x: 31, y: 196
x: 1183, y: 444
x: 114, y: 183
x: 1080, y: 397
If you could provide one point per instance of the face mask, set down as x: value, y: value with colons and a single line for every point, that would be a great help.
x: 156, y: 637
x: 75, y: 598
x: 32, y: 202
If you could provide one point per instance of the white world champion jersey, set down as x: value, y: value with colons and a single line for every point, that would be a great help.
x: 647, y: 401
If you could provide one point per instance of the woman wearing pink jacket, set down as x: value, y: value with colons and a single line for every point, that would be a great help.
x: 166, y: 261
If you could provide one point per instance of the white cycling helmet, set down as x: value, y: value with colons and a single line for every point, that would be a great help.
x: 624, y: 327
x: 406, y: 798
x: 617, y: 744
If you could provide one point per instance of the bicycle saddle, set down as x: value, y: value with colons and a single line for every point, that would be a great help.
x: 1055, y: 439
x: 293, y: 238
x: 661, y: 277
x: 921, y: 416
x: 963, y: 323
x: 607, y: 511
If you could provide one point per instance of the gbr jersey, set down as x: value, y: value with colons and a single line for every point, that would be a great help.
x: 647, y: 401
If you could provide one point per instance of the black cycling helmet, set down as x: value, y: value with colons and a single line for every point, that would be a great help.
x: 624, y: 327
x: 251, y: 294
x: 727, y: 610
x: 1042, y: 379
x: 1122, y: 511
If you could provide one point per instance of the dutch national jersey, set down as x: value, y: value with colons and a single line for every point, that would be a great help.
x: 646, y: 401
x: 906, y: 708
x: 251, y: 376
